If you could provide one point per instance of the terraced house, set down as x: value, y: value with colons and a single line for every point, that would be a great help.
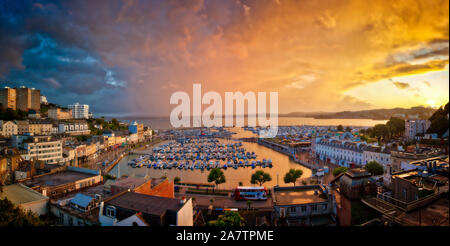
x: 341, y: 152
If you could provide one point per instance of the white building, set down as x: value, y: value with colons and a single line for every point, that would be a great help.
x: 414, y: 127
x: 381, y: 155
x: 79, y: 111
x: 43, y: 100
x: 43, y: 148
x: 74, y: 128
x: 340, y: 152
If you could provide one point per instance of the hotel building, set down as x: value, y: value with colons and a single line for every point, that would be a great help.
x: 79, y: 111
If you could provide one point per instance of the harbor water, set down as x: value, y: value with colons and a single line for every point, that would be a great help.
x: 281, y: 165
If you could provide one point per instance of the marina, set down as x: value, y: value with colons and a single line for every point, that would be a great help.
x: 200, y: 153
x: 191, y: 158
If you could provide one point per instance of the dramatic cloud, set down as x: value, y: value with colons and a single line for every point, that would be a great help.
x: 400, y: 85
x: 129, y: 56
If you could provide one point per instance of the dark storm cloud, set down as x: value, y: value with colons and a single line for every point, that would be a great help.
x: 42, y: 46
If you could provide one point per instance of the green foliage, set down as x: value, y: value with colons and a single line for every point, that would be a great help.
x: 10, y: 114
x: 396, y: 126
x: 176, y: 180
x: 439, y: 121
x: 260, y: 177
x: 83, y: 138
x: 217, y: 176
x: 11, y: 215
x: 340, y: 128
x: 229, y: 218
x: 374, y: 168
x: 292, y: 176
x: 339, y: 170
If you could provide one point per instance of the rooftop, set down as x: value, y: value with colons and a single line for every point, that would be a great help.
x: 20, y: 194
x: 58, y: 178
x: 129, y: 182
x: 299, y: 195
x: 153, y: 205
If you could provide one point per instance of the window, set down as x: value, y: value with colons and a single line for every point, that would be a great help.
x: 111, y: 211
x: 303, y: 208
x: 70, y: 221
x: 314, y: 207
x: 61, y: 218
x: 292, y: 209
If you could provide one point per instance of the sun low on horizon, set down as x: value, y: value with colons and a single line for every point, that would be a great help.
x: 129, y: 57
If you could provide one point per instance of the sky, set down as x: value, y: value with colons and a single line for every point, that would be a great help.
x: 127, y: 57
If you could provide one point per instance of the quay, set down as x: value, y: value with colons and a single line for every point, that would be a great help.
x: 291, y: 152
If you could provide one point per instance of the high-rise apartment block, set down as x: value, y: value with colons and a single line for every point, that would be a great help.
x: 8, y: 98
x: 20, y: 98
x: 79, y: 111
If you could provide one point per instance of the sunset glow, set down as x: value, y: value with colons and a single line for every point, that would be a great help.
x: 130, y: 56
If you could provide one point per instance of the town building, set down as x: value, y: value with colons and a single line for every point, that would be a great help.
x: 44, y: 100
x: 156, y: 211
x: 304, y: 205
x: 8, y: 128
x: 59, y: 113
x: 74, y: 127
x: 43, y: 148
x: 382, y: 155
x: 8, y: 98
x: 26, y: 198
x: 79, y: 208
x: 65, y: 180
x: 136, y: 128
x: 79, y: 111
x: 416, y: 127
x: 9, y: 163
x: 418, y: 196
x: 155, y: 187
x: 28, y: 98
x: 340, y: 152
x: 34, y: 126
x: 350, y: 187
x: 400, y: 158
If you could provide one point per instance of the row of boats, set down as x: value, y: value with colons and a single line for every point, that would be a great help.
x: 199, y: 165
x: 201, y: 153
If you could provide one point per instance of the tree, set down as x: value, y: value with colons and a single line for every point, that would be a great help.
x: 374, y: 168
x: 339, y: 170
x: 217, y: 176
x: 340, y: 128
x: 229, y: 218
x: 396, y: 126
x: 292, y: 176
x: 260, y: 177
x: 380, y: 131
x: 176, y: 180
x: 439, y: 125
x: 11, y: 215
